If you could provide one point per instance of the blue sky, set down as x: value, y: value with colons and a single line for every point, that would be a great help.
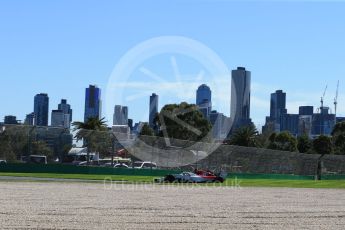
x: 59, y: 47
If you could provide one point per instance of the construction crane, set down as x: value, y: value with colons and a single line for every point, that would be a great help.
x: 323, y: 96
x: 336, y: 100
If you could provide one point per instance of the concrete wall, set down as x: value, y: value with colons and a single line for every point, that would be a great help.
x: 234, y: 158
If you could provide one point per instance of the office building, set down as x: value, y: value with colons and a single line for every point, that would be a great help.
x: 204, y: 100
x: 306, y: 110
x: 56, y: 138
x: 277, y: 109
x: 41, y: 109
x: 240, y: 98
x: 30, y: 119
x: 10, y: 120
x: 68, y: 112
x: 153, y: 110
x: 58, y: 119
x: 130, y: 124
x: 305, y: 120
x: 289, y: 123
x: 120, y: 115
x: 323, y: 122
x: 217, y: 121
x: 93, y: 103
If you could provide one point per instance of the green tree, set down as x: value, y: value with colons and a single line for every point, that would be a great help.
x: 41, y: 148
x: 183, y: 121
x: 245, y: 136
x: 91, y: 132
x: 283, y: 141
x: 262, y: 139
x: 6, y: 150
x: 13, y: 142
x: 304, y: 144
x: 339, y: 138
x: 323, y: 145
x: 146, y: 130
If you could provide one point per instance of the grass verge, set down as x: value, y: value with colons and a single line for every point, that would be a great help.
x: 236, y: 183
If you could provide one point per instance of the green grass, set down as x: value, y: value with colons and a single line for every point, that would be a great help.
x: 288, y: 183
x: 83, y: 176
x: 229, y: 182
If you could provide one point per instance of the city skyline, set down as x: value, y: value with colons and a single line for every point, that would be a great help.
x: 279, y: 116
x: 288, y: 46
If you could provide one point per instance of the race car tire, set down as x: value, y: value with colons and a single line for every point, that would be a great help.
x: 169, y: 178
x: 219, y: 180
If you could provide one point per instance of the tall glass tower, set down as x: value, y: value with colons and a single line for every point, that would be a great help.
x: 278, y: 109
x: 120, y: 115
x: 41, y: 109
x: 66, y: 108
x: 204, y: 100
x: 240, y: 98
x: 153, y: 109
x: 93, y: 103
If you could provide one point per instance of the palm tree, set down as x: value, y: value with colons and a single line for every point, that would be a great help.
x: 245, y: 136
x: 89, y: 131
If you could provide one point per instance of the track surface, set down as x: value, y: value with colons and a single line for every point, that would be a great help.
x: 38, y: 205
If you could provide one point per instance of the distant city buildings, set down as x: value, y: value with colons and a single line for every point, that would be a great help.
x: 323, y: 122
x: 56, y: 139
x: 93, y: 102
x: 120, y: 115
x: 41, y: 109
x: 277, y: 108
x: 220, y: 123
x: 240, y: 98
x: 58, y: 118
x: 30, y: 119
x: 308, y: 120
x: 130, y: 124
x: 68, y: 112
x: 10, y: 120
x: 305, y: 122
x: 62, y: 117
x: 153, y: 110
x: 204, y: 100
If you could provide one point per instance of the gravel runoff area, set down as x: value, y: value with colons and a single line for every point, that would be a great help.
x: 60, y: 205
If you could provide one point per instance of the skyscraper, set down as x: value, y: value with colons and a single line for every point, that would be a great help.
x: 66, y: 109
x: 120, y: 115
x: 305, y: 120
x: 306, y: 110
x: 58, y: 118
x: 30, y: 119
x: 93, y: 103
x: 41, y: 109
x: 204, y: 100
x: 240, y: 98
x: 278, y: 108
x: 153, y: 110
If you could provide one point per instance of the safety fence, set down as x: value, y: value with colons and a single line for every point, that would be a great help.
x: 71, y: 169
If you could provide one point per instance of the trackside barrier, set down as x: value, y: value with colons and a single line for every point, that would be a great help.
x: 333, y: 177
x: 72, y: 169
x: 269, y: 176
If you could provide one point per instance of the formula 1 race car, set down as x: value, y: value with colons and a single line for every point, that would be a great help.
x: 199, y: 176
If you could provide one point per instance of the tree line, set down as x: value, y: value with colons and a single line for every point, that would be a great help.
x: 249, y: 137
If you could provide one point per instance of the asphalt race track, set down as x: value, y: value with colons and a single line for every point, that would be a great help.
x: 75, y: 205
